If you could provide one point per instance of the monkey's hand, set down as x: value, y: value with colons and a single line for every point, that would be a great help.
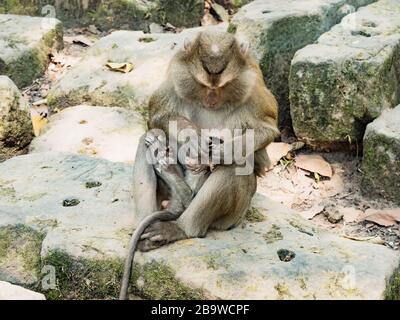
x: 159, y: 234
x: 195, y: 167
x: 160, y: 154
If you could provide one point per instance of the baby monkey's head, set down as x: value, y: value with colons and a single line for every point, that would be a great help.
x: 215, y: 61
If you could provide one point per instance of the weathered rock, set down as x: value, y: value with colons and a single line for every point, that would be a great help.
x: 25, y: 45
x: 86, y: 243
x: 348, y: 77
x: 9, y: 291
x: 381, y: 162
x: 91, y: 82
x: 16, y: 130
x: 276, y: 29
x: 101, y: 132
x: 107, y: 14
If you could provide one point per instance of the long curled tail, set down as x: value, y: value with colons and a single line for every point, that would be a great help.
x: 156, y: 216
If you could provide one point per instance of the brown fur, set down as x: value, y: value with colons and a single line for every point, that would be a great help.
x: 212, y: 83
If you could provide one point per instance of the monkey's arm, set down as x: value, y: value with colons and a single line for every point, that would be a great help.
x: 261, y: 115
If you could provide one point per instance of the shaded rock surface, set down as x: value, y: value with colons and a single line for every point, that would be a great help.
x: 89, y: 239
x: 348, y: 77
x: 276, y: 29
x: 91, y: 82
x: 25, y: 45
x: 107, y: 14
x: 16, y: 130
x: 381, y: 162
x: 9, y: 291
x: 101, y: 132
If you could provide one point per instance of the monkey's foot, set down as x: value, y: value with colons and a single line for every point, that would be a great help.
x: 160, y: 234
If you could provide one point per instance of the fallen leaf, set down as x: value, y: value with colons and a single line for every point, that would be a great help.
x: 276, y: 151
x: 39, y: 114
x: 314, y: 164
x: 375, y: 240
x: 385, y: 218
x: 124, y: 67
x: 312, y: 212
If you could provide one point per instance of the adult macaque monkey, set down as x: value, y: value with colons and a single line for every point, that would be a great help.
x: 211, y: 83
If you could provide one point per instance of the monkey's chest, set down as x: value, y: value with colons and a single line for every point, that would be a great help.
x: 213, y: 118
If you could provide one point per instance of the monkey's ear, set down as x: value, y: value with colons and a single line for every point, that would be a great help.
x: 244, y: 48
x: 187, y: 45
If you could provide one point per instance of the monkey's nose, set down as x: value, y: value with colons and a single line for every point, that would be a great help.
x: 211, y: 99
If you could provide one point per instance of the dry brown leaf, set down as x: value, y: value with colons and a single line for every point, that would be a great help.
x: 385, y: 218
x: 312, y: 212
x: 314, y: 163
x: 276, y: 151
x: 124, y: 67
x: 375, y: 240
x: 39, y: 113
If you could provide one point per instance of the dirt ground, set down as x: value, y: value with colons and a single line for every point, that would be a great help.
x: 336, y: 204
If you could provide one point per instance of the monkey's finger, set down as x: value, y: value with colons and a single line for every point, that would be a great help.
x: 149, y: 139
x: 157, y: 238
x: 147, y: 245
x: 147, y: 235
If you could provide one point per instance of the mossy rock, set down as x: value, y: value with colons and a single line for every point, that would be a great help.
x: 381, y: 160
x: 277, y: 29
x: 27, y: 43
x: 20, y: 248
x: 16, y: 130
x: 337, y: 88
x: 78, y: 278
x: 112, y: 14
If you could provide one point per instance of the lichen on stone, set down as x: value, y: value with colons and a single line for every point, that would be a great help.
x: 20, y: 248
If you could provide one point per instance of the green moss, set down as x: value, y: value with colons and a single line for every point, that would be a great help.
x: 78, y: 278
x: 20, y: 248
x: 159, y: 283
x: 381, y: 167
x: 82, y: 278
x: 240, y: 3
x: 273, y: 235
x: 18, y: 7
x: 232, y: 28
x: 16, y: 127
x: 392, y: 291
x: 211, y: 262
x: 254, y: 215
x: 178, y: 12
x: 32, y: 63
x: 92, y: 184
x: 114, y: 14
x: 147, y: 39
x: 123, y: 96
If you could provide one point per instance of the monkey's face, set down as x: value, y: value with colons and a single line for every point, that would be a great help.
x: 214, y: 64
